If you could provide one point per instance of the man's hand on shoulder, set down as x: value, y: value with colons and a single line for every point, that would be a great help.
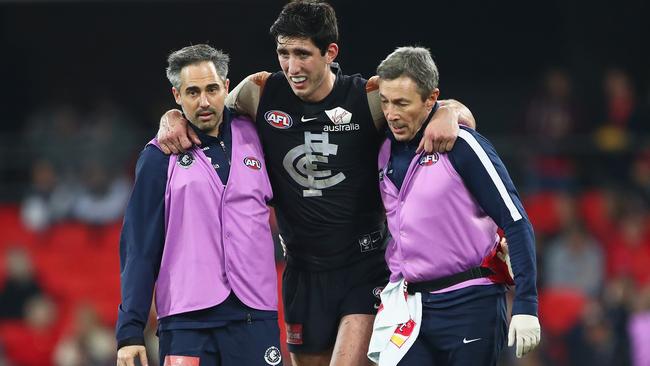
x: 127, y: 354
x: 442, y: 131
x: 173, y: 135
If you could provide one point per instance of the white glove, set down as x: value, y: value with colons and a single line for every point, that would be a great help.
x: 526, y: 329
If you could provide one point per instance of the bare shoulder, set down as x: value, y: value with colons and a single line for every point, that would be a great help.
x: 260, y: 78
x: 372, y: 84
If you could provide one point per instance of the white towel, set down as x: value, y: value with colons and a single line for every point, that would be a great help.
x: 396, y: 326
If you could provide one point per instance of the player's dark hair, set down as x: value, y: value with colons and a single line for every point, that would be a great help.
x: 414, y: 62
x: 195, y: 54
x: 311, y: 19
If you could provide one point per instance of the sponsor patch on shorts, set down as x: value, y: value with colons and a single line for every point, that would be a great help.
x: 294, y: 334
x: 181, y: 360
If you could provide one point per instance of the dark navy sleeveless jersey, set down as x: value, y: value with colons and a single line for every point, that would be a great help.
x: 321, y: 158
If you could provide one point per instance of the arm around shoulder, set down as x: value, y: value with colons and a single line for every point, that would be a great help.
x: 245, y: 97
x: 441, y: 132
x: 465, y: 116
x: 374, y: 103
x: 173, y: 135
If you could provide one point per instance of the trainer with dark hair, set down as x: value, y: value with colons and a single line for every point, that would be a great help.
x: 197, y: 230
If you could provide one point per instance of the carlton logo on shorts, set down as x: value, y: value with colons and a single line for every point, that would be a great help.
x: 252, y: 163
x: 272, y: 356
x: 185, y: 160
x: 181, y: 361
x: 377, y: 292
x: 278, y: 119
x: 294, y: 333
x: 428, y: 159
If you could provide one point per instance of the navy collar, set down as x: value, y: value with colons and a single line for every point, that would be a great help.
x: 224, y: 129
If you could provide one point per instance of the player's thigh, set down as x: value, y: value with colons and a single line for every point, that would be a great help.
x: 312, y: 359
x: 358, y: 308
x: 250, y: 343
x: 352, y: 339
x: 188, y: 347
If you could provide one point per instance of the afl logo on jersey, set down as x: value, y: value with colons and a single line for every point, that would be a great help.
x: 252, y: 163
x: 428, y: 159
x: 278, y: 119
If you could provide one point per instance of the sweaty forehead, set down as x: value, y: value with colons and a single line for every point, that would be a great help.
x: 290, y: 43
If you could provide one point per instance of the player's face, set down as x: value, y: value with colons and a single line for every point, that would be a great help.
x: 201, y: 95
x: 307, y: 71
x: 403, y: 106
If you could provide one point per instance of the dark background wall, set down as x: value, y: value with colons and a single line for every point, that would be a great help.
x: 490, y: 53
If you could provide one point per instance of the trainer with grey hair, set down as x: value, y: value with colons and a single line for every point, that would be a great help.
x: 196, y: 230
x: 195, y: 54
x: 415, y: 63
x: 443, y: 211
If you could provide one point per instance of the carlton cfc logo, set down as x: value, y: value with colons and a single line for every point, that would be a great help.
x: 252, y: 163
x: 429, y: 159
x: 278, y: 119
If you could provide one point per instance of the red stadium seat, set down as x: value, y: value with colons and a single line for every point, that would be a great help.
x: 68, y: 237
x: 28, y: 347
x: 560, y: 309
x: 594, y: 212
x: 542, y: 211
x: 13, y: 230
x: 110, y: 236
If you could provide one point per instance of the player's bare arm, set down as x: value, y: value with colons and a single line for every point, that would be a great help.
x: 466, y: 118
x: 245, y: 97
x: 173, y: 134
x: 440, y: 134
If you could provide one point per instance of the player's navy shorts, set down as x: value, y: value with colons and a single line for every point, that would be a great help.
x: 463, y: 327
x: 315, y: 302
x: 238, y: 343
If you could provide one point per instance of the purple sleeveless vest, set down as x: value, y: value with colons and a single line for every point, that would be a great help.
x: 217, y: 238
x: 438, y: 229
